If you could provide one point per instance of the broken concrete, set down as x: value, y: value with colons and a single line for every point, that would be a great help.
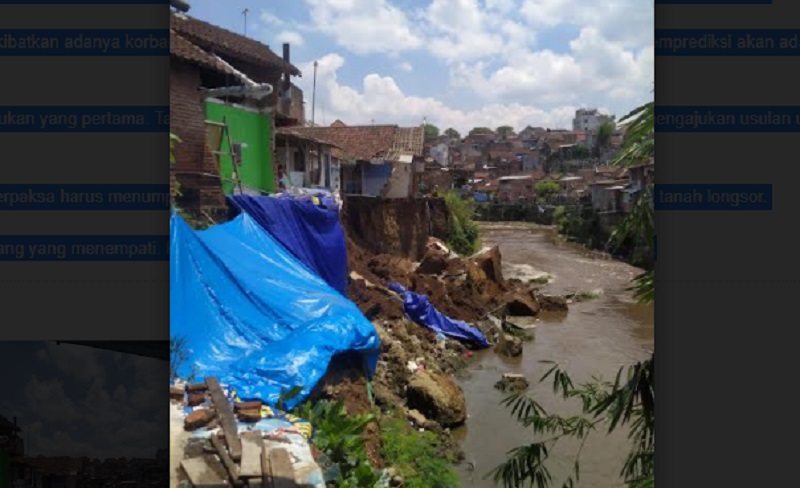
x: 437, y: 397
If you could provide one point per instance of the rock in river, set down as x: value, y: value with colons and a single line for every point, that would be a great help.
x: 522, y: 305
x: 509, y: 346
x: 512, y: 382
x: 437, y: 397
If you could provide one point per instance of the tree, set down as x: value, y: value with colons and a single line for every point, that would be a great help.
x: 431, y: 132
x: 505, y: 130
x: 604, y: 133
x: 480, y: 130
x: 630, y: 399
x: 452, y: 133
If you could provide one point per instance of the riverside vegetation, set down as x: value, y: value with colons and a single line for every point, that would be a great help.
x: 630, y: 399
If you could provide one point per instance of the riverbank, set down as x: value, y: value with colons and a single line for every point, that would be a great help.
x: 595, y: 337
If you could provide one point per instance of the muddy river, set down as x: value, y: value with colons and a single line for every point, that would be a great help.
x: 595, y: 337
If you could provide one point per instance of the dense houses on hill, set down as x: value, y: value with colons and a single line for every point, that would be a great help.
x: 241, y: 122
x: 18, y: 469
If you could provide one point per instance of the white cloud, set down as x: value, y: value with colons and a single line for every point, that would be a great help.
x: 292, y: 37
x: 269, y: 18
x: 405, y: 67
x: 500, y: 51
x: 364, y: 26
x: 381, y: 99
x: 628, y: 21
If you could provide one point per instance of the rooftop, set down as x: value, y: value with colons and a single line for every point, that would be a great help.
x: 210, y: 37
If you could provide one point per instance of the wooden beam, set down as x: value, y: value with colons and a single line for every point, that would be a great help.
x: 282, y: 468
x: 230, y: 466
x: 200, y: 473
x: 227, y: 420
x: 250, y: 467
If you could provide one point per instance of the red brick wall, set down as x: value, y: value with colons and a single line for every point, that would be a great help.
x: 187, y: 120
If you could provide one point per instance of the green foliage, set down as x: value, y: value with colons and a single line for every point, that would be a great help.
x: 287, y: 395
x: 463, y: 232
x: 544, y: 188
x: 579, y: 152
x: 452, y: 133
x: 178, y: 356
x: 431, y: 132
x: 629, y: 401
x: 638, y: 145
x: 415, y: 455
x: 579, y: 224
x: 480, y: 130
x: 505, y: 130
x: 339, y: 436
x: 173, y: 139
x: 604, y: 133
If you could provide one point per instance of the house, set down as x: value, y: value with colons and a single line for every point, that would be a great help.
x: 375, y: 160
x: 607, y: 196
x: 308, y: 161
x: 589, y: 120
x: 220, y: 78
x: 440, y: 153
x: 639, y: 177
x: 515, y: 188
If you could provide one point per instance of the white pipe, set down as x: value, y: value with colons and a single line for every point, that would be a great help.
x: 250, y: 87
x: 258, y: 91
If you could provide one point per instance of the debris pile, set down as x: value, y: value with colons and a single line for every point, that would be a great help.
x: 242, y: 443
x: 467, y: 289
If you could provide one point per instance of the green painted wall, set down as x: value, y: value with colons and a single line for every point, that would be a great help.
x: 255, y: 131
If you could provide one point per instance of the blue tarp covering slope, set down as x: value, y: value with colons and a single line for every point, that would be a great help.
x: 310, y: 232
x: 254, y: 316
x: 420, y: 310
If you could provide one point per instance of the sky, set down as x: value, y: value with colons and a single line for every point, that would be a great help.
x: 456, y: 63
x: 81, y: 401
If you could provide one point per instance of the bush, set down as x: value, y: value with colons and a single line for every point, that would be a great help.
x: 339, y: 436
x: 545, y: 188
x: 415, y: 455
x: 463, y: 232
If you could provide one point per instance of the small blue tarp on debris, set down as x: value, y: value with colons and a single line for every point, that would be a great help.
x: 255, y: 317
x: 420, y: 310
x: 312, y: 233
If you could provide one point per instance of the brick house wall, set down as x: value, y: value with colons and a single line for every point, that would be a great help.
x: 187, y: 120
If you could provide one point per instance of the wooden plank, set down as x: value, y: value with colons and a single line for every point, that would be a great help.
x: 226, y: 419
x: 230, y: 466
x: 250, y: 467
x: 252, y: 405
x: 282, y: 468
x: 201, y: 474
x: 266, y: 468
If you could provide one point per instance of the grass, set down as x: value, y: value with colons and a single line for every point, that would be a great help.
x: 463, y: 232
x: 415, y: 455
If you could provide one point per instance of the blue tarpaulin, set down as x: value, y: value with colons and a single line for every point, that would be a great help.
x: 420, y: 310
x: 255, y: 317
x: 312, y: 233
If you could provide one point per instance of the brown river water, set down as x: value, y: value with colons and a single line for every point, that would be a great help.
x: 594, y: 338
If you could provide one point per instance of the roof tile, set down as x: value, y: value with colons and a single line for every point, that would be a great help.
x: 210, y: 36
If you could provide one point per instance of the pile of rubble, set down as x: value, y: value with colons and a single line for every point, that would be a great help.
x: 470, y: 289
x: 241, y: 443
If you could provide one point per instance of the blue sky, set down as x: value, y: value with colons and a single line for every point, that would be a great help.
x: 457, y: 63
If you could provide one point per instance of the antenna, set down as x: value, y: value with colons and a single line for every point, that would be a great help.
x: 244, y: 13
x: 314, y: 94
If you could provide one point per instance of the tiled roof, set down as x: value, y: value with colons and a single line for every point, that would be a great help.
x: 185, y: 50
x: 212, y: 37
x: 409, y: 140
x: 294, y: 132
x: 363, y: 142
